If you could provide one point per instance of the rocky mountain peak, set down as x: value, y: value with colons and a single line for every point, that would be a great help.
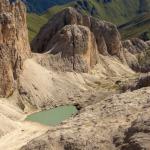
x: 107, y: 38
x: 106, y: 34
x: 14, y: 46
x: 77, y: 44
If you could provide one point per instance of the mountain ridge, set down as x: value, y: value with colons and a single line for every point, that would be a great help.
x: 116, y: 11
x: 40, y: 6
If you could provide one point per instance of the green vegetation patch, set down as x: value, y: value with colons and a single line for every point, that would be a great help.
x: 137, y: 27
x: 115, y: 11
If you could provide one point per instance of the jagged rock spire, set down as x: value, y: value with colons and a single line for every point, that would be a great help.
x: 14, y: 45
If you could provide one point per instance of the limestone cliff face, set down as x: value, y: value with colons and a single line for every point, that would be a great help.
x: 106, y: 34
x: 14, y: 46
x: 76, y: 44
x: 135, y: 45
x: 136, y: 53
x: 56, y: 36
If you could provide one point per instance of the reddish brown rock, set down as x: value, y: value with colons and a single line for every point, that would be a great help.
x: 14, y: 46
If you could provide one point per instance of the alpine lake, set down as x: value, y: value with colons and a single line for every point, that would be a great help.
x: 54, y: 116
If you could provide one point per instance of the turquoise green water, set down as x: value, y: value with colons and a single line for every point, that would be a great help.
x: 53, y: 116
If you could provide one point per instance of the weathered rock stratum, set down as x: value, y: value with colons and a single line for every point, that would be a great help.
x: 67, y: 28
x: 77, y: 44
x: 14, y: 45
x: 107, y: 41
x: 106, y: 34
x: 139, y: 50
x: 136, y: 137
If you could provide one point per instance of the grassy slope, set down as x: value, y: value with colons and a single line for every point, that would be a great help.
x: 136, y: 27
x: 40, y: 6
x: 35, y: 22
x: 118, y: 12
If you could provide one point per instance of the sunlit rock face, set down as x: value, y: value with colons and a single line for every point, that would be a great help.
x: 136, y: 52
x: 105, y: 36
x: 14, y: 46
x: 77, y: 47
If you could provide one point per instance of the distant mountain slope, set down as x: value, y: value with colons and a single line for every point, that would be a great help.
x: 34, y: 23
x: 115, y: 11
x: 138, y: 27
x: 94, y: 7
x: 40, y: 6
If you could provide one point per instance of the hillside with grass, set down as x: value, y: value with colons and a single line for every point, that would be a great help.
x: 40, y: 6
x: 137, y: 27
x: 116, y: 11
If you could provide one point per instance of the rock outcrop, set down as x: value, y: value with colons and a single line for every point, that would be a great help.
x: 135, y: 46
x: 14, y: 45
x: 107, y: 38
x: 137, y: 55
x: 76, y: 44
x: 106, y: 34
x: 143, y: 81
x: 136, y: 137
x: 102, y: 37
